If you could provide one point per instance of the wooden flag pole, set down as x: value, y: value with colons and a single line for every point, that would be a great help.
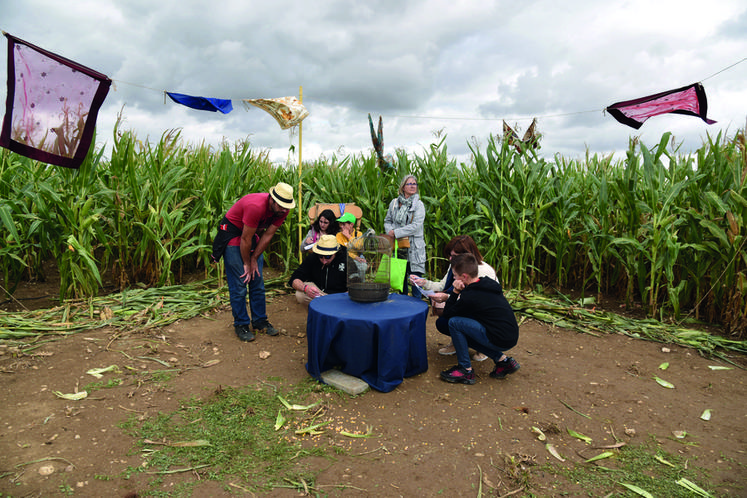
x: 300, y: 168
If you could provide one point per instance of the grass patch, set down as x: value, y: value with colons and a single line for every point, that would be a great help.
x: 643, y: 466
x: 104, y: 384
x: 232, y: 436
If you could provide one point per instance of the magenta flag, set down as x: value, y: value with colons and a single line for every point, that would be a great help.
x: 52, y: 105
x: 689, y: 100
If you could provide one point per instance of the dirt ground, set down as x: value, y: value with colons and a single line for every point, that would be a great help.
x: 435, y: 439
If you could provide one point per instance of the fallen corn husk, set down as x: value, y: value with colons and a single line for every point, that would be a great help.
x: 279, y: 421
x: 71, y: 397
x: 551, y: 449
x: 706, y: 415
x: 664, y: 383
x: 296, y: 407
x: 719, y: 367
x: 369, y: 433
x: 540, y: 435
x: 96, y: 372
x: 664, y: 366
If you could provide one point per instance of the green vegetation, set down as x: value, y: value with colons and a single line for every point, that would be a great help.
x: 658, y: 227
x: 644, y: 467
x: 251, y: 437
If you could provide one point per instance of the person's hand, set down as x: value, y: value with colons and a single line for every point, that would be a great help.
x: 439, y: 297
x: 251, y: 270
x: 458, y: 286
x: 312, y: 291
x: 419, y: 281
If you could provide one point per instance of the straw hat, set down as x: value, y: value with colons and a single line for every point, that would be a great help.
x: 282, y: 193
x: 326, y: 245
x: 347, y: 217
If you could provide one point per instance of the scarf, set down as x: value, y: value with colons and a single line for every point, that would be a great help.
x: 400, y: 216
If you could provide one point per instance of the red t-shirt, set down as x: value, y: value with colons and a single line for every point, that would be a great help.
x: 253, y: 210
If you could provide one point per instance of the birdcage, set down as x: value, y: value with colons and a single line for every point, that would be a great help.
x: 368, y: 268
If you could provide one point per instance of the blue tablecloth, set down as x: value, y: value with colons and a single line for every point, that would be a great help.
x: 380, y: 343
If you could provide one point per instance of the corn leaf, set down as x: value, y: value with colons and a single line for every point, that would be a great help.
x: 661, y: 460
x: 190, y: 444
x: 664, y: 366
x: 706, y: 415
x: 600, y: 456
x: 577, y: 435
x: 637, y: 490
x: 694, y: 488
x: 719, y: 367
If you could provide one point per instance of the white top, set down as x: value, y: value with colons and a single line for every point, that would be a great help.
x: 483, y: 270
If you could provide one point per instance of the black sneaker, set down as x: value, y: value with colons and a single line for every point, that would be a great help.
x: 266, y: 327
x: 458, y: 374
x: 244, y: 333
x: 505, y: 367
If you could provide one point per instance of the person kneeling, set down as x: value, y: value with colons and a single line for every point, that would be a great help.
x: 478, y: 316
x: 323, y: 271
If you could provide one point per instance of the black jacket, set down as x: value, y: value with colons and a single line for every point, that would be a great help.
x: 331, y: 279
x: 484, y: 301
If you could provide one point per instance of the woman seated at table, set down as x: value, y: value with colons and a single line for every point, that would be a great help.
x: 323, y: 271
x: 325, y: 223
x: 461, y: 244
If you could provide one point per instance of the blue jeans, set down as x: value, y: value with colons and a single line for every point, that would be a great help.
x: 237, y: 289
x: 467, y: 333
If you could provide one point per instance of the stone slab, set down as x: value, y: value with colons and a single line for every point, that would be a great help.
x: 344, y: 382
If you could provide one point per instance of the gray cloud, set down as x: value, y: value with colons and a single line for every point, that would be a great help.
x: 428, y: 67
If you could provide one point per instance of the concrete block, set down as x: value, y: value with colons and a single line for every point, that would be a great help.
x: 344, y: 382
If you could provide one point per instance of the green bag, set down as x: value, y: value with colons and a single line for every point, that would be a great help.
x: 397, y: 270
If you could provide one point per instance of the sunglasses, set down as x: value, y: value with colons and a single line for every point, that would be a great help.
x: 410, y: 183
x: 326, y: 257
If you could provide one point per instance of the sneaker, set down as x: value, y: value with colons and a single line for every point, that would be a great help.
x: 479, y: 357
x: 244, y: 333
x: 458, y: 374
x: 447, y: 350
x: 266, y: 327
x: 505, y: 367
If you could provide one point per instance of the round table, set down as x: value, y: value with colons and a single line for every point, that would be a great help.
x: 380, y: 343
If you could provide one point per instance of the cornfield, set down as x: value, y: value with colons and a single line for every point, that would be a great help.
x: 659, y: 228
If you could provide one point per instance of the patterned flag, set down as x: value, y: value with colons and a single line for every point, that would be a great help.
x: 52, y: 105
x: 689, y: 100
x: 287, y: 111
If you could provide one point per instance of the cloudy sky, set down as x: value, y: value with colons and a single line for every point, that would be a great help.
x: 429, y: 67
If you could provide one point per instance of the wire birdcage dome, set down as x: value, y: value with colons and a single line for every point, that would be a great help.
x: 368, y: 267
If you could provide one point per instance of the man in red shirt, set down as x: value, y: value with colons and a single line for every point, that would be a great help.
x: 243, y: 235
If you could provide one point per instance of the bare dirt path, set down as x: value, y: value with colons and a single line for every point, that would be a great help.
x: 434, y: 438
